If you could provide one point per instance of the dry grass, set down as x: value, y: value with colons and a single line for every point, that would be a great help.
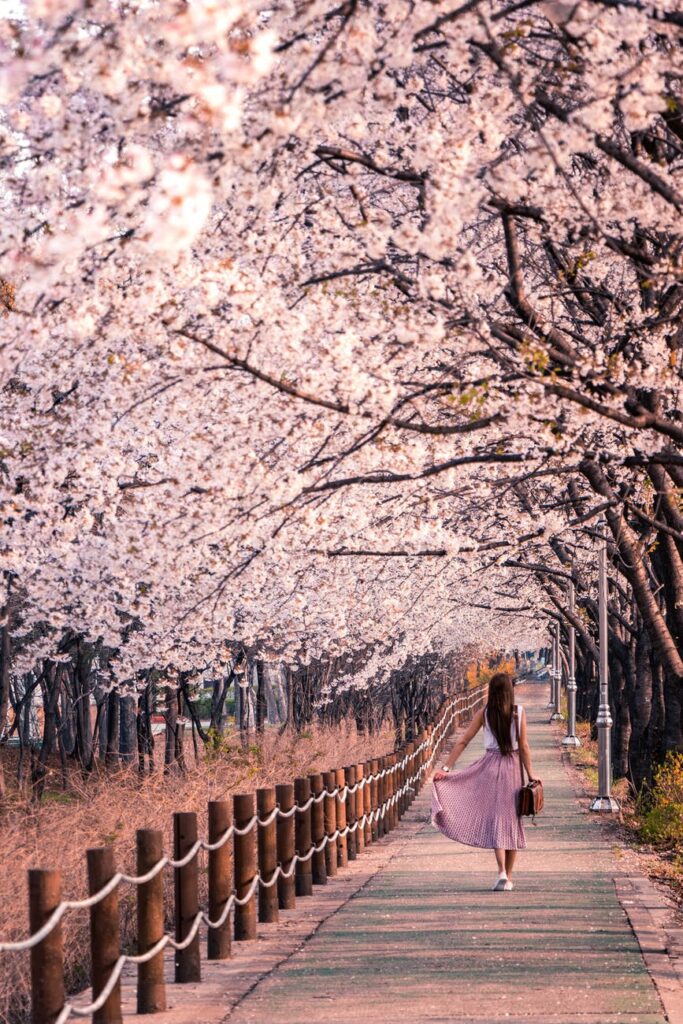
x: 109, y: 807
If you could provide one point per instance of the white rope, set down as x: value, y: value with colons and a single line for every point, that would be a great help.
x: 228, y: 834
x: 440, y: 729
x: 152, y: 873
x: 190, y: 855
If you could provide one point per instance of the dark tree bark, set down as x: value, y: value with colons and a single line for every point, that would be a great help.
x: 127, y: 729
x: 171, y: 717
x: 261, y: 703
x: 144, y: 729
x: 52, y: 685
x: 5, y: 654
x: 633, y: 567
x: 82, y: 686
x: 103, y: 727
x: 643, y: 742
x: 113, y: 723
x: 179, y: 737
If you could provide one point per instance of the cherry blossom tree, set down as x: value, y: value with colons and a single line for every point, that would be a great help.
x: 330, y: 333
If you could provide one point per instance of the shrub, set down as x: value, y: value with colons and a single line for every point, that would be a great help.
x: 662, y: 805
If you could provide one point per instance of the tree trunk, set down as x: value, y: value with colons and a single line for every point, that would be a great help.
x: 128, y: 729
x: 673, y: 714
x: 641, y: 747
x: 179, y: 737
x: 632, y: 566
x: 289, y: 683
x: 622, y: 719
x: 145, y: 735
x: 82, y: 677
x: 104, y: 728
x: 171, y: 716
x: 243, y: 692
x: 261, y: 703
x: 113, y: 721
x: 5, y: 653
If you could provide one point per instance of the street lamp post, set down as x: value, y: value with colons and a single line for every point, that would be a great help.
x: 604, y: 801
x: 551, y: 674
x: 557, y: 715
x: 571, y: 739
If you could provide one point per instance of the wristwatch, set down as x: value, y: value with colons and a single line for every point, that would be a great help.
x: 444, y: 768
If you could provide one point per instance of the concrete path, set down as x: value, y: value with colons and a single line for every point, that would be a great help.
x: 426, y: 939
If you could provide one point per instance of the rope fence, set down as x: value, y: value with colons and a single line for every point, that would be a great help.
x: 275, y: 844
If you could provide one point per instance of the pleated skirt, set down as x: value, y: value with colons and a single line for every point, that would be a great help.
x: 478, y: 805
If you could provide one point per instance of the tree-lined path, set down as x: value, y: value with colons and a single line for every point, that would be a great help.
x: 426, y: 939
x: 341, y: 363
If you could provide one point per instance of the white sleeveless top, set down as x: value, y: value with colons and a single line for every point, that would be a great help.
x: 490, y: 741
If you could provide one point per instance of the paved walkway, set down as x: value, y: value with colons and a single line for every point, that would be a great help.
x: 426, y: 939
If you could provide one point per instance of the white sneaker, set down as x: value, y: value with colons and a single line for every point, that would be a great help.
x: 501, y: 884
x: 509, y: 886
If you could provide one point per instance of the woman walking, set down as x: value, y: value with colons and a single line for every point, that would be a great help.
x: 478, y: 806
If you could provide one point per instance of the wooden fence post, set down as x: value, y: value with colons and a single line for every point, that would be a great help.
x: 244, y: 808
x: 266, y: 803
x: 403, y: 775
x: 381, y: 796
x: 218, y: 940
x: 406, y: 776
x: 410, y: 769
x: 151, y: 985
x: 304, y: 871
x: 286, y: 887
x: 398, y: 806
x: 391, y: 789
x: 342, y: 845
x: 187, y: 961
x: 318, y: 830
x: 350, y: 779
x: 360, y: 831
x: 367, y: 801
x: 105, y: 941
x: 398, y: 783
x: 393, y: 813
x: 330, y: 817
x: 421, y: 758
x: 47, y: 958
x: 374, y: 797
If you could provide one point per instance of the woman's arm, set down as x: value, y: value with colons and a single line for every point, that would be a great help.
x: 471, y: 731
x: 524, y: 747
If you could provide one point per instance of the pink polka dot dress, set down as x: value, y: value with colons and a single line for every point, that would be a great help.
x: 478, y: 805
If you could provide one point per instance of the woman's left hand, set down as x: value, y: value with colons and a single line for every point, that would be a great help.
x: 440, y: 776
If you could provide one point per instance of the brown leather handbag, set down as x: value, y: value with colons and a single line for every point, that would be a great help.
x: 530, y: 796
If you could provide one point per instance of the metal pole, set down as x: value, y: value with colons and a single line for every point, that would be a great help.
x: 604, y: 801
x: 571, y: 739
x: 557, y: 715
x: 551, y: 696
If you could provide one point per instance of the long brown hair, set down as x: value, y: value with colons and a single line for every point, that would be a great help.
x: 499, y: 709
